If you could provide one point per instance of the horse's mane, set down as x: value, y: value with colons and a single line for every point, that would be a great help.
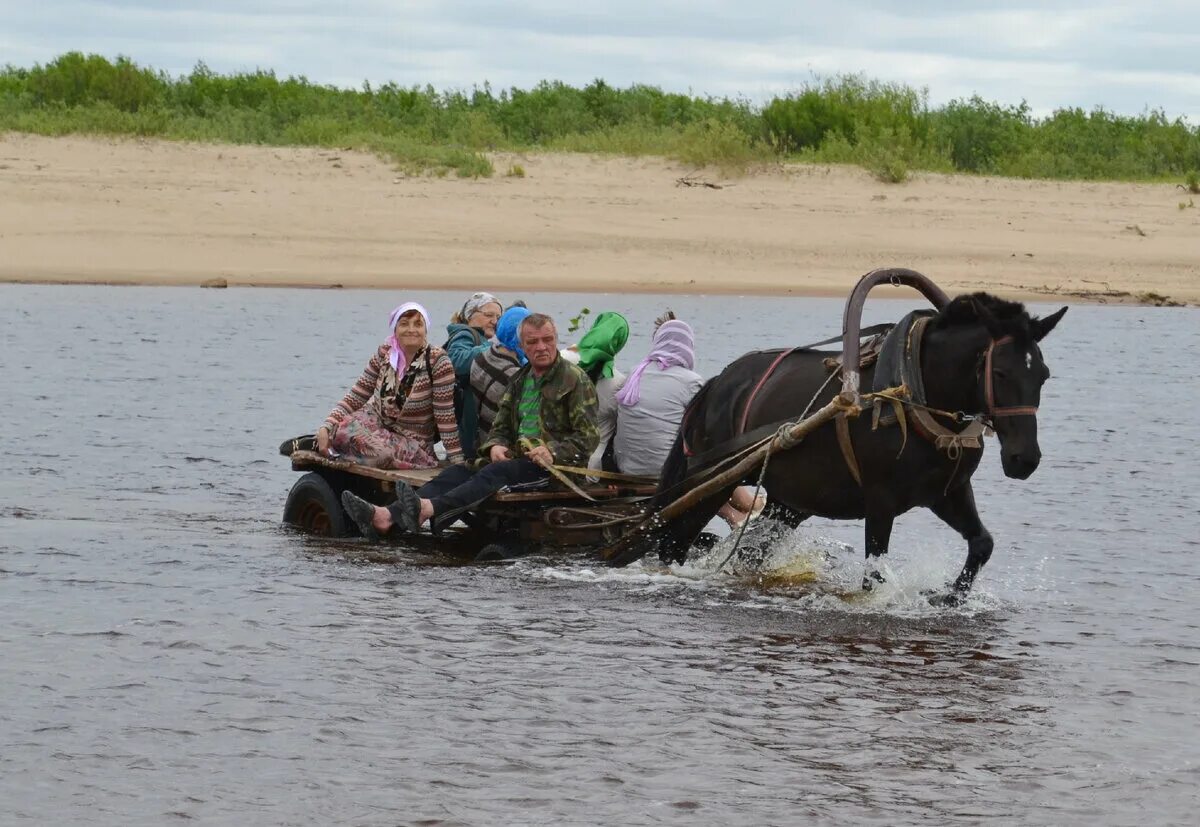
x: 1010, y: 317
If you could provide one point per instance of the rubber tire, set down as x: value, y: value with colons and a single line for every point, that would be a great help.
x: 314, y: 506
x: 494, y: 553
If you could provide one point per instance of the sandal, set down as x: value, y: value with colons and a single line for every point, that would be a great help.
x: 362, y: 513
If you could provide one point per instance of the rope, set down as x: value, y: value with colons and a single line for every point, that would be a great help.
x: 746, y: 522
x: 632, y: 479
x: 953, y: 416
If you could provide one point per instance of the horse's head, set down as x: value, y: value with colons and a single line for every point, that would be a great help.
x: 1009, y: 372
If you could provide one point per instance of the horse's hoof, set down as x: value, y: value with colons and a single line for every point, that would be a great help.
x: 870, y: 579
x: 947, y: 599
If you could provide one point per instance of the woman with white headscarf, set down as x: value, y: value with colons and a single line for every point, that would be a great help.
x: 401, y: 405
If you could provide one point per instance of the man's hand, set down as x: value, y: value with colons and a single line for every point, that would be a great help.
x: 323, y: 441
x: 499, y: 453
x: 541, y: 455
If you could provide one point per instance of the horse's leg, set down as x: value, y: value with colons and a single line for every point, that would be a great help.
x: 776, y: 510
x: 958, y: 511
x: 878, y: 531
x: 677, y: 536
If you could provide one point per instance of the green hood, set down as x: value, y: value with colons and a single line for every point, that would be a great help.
x: 602, y: 343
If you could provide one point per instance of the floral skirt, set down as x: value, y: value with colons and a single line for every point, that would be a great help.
x: 363, y: 438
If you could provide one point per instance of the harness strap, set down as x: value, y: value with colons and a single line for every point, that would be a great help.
x: 762, y: 381
x: 843, y: 437
x: 944, y: 439
x: 867, y: 331
x: 989, y: 394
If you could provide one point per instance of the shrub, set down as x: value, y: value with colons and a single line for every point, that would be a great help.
x: 719, y: 144
x: 977, y: 133
x: 887, y: 128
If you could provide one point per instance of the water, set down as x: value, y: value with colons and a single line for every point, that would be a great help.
x: 170, y: 653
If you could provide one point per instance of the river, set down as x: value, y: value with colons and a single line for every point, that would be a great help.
x: 171, y: 653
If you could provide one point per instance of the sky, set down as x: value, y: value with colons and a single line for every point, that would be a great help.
x: 1124, y: 56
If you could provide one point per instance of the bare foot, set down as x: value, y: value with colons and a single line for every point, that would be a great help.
x: 743, y: 499
x: 734, y: 516
x: 381, y: 520
x: 426, y: 513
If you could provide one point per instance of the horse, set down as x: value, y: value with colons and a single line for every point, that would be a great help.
x: 979, y: 362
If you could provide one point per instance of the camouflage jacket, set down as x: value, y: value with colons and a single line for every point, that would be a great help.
x: 568, y: 414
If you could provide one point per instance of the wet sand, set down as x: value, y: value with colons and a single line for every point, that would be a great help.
x: 99, y: 210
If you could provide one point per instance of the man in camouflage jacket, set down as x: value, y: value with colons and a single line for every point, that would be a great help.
x: 567, y: 412
x: 547, y: 416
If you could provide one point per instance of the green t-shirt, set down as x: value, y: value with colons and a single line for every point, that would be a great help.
x: 529, y: 408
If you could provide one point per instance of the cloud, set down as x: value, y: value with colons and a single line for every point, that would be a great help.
x: 1060, y: 53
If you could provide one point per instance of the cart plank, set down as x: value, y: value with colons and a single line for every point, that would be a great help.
x: 302, y: 460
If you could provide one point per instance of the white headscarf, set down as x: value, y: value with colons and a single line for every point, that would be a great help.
x: 477, y: 301
x: 396, y: 356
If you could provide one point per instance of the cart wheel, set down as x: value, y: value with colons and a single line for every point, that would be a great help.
x: 494, y: 553
x: 313, y: 505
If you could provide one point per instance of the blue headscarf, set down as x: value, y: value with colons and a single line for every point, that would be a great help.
x: 507, y: 330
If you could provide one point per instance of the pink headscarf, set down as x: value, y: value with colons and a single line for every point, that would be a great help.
x: 396, y: 355
x: 673, y: 345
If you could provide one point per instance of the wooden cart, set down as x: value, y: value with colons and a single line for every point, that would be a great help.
x: 555, y: 518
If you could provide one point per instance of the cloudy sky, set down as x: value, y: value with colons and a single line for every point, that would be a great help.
x: 1124, y: 56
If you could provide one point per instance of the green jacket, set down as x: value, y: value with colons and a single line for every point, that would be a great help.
x: 568, y: 412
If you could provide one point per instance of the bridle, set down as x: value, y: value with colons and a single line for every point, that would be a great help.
x: 989, y: 396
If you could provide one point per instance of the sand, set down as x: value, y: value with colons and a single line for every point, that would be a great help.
x: 98, y: 210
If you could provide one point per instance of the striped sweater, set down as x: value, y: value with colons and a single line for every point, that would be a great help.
x: 413, y: 406
x: 490, y: 373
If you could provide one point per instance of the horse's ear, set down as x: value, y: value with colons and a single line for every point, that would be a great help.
x: 1042, y: 327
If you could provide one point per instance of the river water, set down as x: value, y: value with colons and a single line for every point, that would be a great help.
x: 168, y: 652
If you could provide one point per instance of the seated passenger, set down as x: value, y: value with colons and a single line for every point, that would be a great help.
x: 403, y: 401
x: 469, y: 331
x: 546, y: 416
x: 494, y: 367
x: 595, y: 353
x: 651, y: 405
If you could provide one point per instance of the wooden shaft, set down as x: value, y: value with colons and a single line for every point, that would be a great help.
x: 798, y: 431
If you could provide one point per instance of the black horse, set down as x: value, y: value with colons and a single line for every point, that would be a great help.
x: 978, y: 356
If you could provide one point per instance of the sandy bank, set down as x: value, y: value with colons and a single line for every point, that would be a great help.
x: 151, y: 212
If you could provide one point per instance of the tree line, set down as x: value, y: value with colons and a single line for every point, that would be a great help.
x: 888, y: 128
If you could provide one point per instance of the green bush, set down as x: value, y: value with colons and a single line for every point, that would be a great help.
x: 847, y: 105
x: 887, y: 128
x: 719, y: 144
x: 977, y: 133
